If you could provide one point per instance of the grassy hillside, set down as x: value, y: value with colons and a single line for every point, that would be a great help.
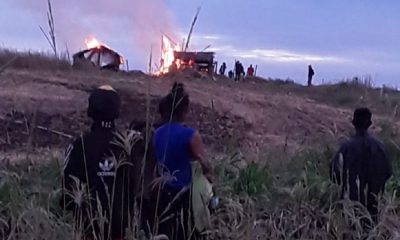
x: 270, y: 143
x: 286, y: 197
x: 349, y: 93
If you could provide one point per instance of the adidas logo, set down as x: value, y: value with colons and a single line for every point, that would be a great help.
x: 106, y: 168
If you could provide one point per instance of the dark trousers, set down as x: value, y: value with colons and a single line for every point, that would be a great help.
x: 238, y: 76
x: 309, y: 83
x: 147, y: 215
x: 174, y: 214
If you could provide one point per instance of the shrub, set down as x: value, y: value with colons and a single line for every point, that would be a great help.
x: 253, y: 180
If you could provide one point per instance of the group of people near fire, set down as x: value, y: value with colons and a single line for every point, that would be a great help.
x: 111, y: 178
x: 238, y: 72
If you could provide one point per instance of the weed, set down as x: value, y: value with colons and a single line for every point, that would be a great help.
x: 253, y: 180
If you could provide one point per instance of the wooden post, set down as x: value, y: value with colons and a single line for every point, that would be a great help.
x: 98, y: 56
x: 150, y: 58
x: 191, y: 28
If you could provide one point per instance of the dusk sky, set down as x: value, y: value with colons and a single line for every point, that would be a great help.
x: 341, y: 38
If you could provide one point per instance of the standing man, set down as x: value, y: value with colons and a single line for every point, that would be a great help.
x: 239, y: 71
x: 98, y: 179
x: 250, y: 71
x: 310, y: 75
x: 222, y: 69
x: 361, y: 166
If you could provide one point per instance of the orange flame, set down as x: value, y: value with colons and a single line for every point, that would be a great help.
x: 167, y: 54
x: 92, y: 42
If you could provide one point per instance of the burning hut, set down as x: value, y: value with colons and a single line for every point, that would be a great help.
x: 98, y: 55
x: 173, y: 58
x: 200, y: 61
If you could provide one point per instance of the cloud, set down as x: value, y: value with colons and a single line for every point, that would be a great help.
x: 223, y: 46
x: 210, y: 37
x: 289, y: 56
x: 275, y: 55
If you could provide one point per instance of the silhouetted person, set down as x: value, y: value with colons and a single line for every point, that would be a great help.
x: 311, y: 73
x: 97, y: 161
x: 231, y: 74
x: 237, y: 67
x: 239, y: 71
x: 242, y: 70
x: 361, y: 166
x: 222, y: 69
x: 250, y: 71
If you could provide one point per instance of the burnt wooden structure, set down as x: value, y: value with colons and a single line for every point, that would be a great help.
x: 200, y: 61
x: 101, y: 57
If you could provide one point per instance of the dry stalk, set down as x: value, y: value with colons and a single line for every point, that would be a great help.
x: 51, y: 35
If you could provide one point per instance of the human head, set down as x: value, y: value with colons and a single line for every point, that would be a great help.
x: 175, y: 105
x: 362, y: 118
x: 104, y: 104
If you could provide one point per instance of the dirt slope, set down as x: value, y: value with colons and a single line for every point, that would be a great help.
x: 221, y: 109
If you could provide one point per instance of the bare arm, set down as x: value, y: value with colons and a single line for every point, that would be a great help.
x: 197, y: 148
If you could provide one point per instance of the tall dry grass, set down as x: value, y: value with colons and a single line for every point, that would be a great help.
x: 258, y: 201
x: 281, y: 195
x: 33, y: 60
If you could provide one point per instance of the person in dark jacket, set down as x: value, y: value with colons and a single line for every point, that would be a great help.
x: 98, y: 179
x: 222, y: 69
x: 176, y: 146
x: 311, y: 74
x: 239, y: 71
x: 361, y: 165
x: 231, y: 74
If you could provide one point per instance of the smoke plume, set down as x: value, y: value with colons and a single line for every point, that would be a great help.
x: 132, y: 25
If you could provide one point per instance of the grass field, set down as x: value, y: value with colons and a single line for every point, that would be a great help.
x: 287, y: 197
x: 266, y: 193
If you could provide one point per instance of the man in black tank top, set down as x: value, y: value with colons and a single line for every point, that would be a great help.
x: 361, y: 165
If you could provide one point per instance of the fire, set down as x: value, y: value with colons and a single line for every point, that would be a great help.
x: 167, y: 54
x: 92, y: 42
